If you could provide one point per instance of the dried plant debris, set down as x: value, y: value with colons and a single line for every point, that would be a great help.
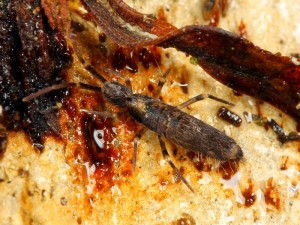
x: 227, y: 57
x: 34, y: 55
x: 282, y: 136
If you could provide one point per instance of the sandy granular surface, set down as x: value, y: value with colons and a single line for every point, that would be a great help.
x: 54, y: 187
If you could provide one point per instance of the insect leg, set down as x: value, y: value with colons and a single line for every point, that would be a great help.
x: 102, y: 114
x: 60, y: 86
x: 201, y: 97
x: 81, y: 59
x: 135, y: 146
x: 176, y: 170
x: 95, y: 73
x: 161, y: 83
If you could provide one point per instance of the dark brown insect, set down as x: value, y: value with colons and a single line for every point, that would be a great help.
x: 173, y: 124
x: 167, y: 121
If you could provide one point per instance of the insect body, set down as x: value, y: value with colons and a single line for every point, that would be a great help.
x: 173, y: 124
x: 167, y: 121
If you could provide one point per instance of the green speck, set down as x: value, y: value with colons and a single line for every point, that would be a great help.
x: 259, y: 120
x: 194, y: 61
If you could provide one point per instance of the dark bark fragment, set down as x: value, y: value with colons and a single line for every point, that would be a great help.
x: 33, y: 56
x: 9, y: 85
x: 239, y: 64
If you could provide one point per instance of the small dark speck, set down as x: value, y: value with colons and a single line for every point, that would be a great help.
x: 236, y: 93
x: 79, y: 220
x: 175, y: 151
x: 296, y: 55
x: 281, y: 41
x: 63, y: 201
x: 102, y: 38
x: 185, y: 220
x: 23, y: 173
x: 77, y: 26
x: 150, y: 87
x: 103, y: 49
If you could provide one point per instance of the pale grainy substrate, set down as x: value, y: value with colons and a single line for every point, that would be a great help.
x: 40, y: 189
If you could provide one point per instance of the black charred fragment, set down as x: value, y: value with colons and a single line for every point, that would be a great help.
x: 3, y: 141
x: 33, y: 56
x: 229, y: 116
x: 281, y: 135
x: 9, y: 86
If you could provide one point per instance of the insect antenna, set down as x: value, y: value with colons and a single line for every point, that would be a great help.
x: 60, y: 86
x: 64, y: 85
x: 86, y: 65
x: 161, y: 83
x: 95, y: 74
x: 102, y: 114
x: 45, y: 91
x: 135, y: 146
x: 202, y: 97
